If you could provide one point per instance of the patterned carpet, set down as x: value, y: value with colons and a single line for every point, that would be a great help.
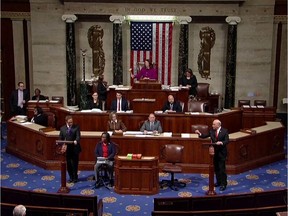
x: 16, y: 173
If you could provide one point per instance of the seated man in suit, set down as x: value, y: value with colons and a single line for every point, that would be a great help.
x: 119, y: 104
x: 152, y: 125
x: 105, y: 148
x: 171, y: 105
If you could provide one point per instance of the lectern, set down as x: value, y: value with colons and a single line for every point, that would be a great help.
x: 211, y: 190
x: 59, y: 146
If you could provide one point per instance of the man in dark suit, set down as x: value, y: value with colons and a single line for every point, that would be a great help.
x: 171, y: 105
x: 119, y: 104
x: 19, y: 99
x: 220, y: 137
x: 71, y: 132
x: 39, y: 117
x: 37, y: 95
x: 151, y: 125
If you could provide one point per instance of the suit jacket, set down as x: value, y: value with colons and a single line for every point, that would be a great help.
x: 92, y: 105
x: 124, y: 105
x: 176, y: 106
x: 146, y: 126
x: 111, y: 150
x: 14, y: 99
x: 41, y: 119
x: 41, y: 97
x: 74, y: 134
x: 223, y: 136
x: 119, y: 125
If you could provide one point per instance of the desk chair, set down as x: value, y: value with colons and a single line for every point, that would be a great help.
x: 58, y: 98
x: 172, y: 154
x: 182, y: 104
x: 243, y: 102
x: 204, y: 129
x: 260, y: 103
x: 197, y: 106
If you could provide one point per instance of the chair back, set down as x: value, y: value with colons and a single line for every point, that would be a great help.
x: 204, y: 129
x: 197, y: 106
x: 243, y: 102
x: 203, y: 90
x: 172, y: 153
x: 51, y: 119
x: 58, y: 98
x: 182, y: 104
x: 260, y: 103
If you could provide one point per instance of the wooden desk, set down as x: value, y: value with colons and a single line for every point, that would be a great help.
x: 246, y: 151
x: 172, y: 122
x: 44, y: 104
x: 136, y: 176
x: 257, y: 116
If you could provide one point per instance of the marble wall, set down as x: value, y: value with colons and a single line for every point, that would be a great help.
x: 255, y: 44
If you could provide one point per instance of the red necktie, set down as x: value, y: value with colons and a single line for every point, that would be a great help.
x: 216, y: 134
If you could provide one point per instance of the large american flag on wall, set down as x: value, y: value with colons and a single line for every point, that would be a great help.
x: 152, y: 41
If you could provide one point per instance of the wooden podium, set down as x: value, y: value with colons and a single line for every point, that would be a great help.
x: 147, y: 84
x: 136, y: 176
x: 211, y: 190
x: 59, y: 145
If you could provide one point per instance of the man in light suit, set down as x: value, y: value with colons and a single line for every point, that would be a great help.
x: 119, y: 104
x: 151, y: 125
x: 220, y: 137
x: 19, y: 99
x: 71, y: 132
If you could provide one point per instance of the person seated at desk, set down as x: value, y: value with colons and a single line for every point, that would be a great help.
x: 107, y: 149
x: 37, y: 95
x: 147, y: 72
x: 39, y: 117
x: 115, y: 124
x: 152, y: 125
x: 95, y: 103
x: 171, y: 105
x: 190, y: 81
x: 119, y: 104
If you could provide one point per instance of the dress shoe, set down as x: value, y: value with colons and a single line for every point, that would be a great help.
x: 216, y: 185
x: 70, y: 180
x: 222, y: 187
x: 75, y: 180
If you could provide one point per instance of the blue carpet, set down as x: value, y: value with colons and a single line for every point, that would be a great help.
x: 16, y: 173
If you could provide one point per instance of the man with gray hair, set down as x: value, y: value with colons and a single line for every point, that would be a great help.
x: 219, y: 136
x: 19, y: 210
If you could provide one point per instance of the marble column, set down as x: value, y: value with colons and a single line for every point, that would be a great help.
x: 117, y: 50
x: 231, y: 61
x: 70, y: 59
x: 183, y: 45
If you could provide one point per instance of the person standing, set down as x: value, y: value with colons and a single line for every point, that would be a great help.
x: 220, y: 137
x: 18, y: 100
x: 107, y: 149
x: 71, y: 132
x: 147, y: 72
x: 190, y: 80
x: 151, y: 125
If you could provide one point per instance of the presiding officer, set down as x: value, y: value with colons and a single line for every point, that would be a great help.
x: 220, y: 137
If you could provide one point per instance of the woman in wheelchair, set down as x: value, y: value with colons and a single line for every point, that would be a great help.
x: 105, y: 151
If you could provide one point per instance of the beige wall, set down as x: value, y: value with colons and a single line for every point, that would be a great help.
x: 255, y: 48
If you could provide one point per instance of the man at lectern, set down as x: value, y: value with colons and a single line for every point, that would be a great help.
x: 220, y: 137
x: 147, y: 72
x: 71, y: 132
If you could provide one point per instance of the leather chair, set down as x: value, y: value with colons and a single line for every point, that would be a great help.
x: 260, y: 103
x: 172, y: 154
x: 203, y: 90
x: 243, y: 102
x: 58, y: 98
x: 182, y: 104
x: 141, y: 123
x: 204, y: 129
x: 198, y: 106
x: 51, y: 119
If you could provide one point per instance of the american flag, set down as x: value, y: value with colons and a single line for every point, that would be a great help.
x: 152, y: 41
